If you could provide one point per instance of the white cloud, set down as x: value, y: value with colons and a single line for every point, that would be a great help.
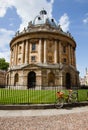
x: 85, y: 21
x: 5, y: 37
x: 4, y: 4
x: 64, y: 22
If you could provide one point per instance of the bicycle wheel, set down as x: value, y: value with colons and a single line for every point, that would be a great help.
x: 74, y: 97
x: 59, y: 103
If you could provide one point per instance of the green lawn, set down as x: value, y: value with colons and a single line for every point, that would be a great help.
x: 82, y: 95
x: 33, y: 96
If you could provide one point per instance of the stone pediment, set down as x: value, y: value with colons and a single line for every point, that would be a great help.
x: 31, y: 66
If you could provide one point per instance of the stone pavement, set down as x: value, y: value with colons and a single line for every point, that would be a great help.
x: 47, y: 119
x: 42, y: 112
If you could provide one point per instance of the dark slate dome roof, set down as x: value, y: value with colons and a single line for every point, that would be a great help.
x: 43, y: 18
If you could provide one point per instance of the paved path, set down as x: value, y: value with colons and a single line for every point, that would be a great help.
x: 42, y: 112
x: 48, y: 119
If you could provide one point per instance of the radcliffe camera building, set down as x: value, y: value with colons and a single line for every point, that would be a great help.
x: 43, y: 55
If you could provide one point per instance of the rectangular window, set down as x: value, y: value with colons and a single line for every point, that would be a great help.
x: 33, y: 58
x: 64, y: 60
x: 33, y: 46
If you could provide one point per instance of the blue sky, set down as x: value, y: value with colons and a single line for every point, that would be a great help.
x: 72, y: 15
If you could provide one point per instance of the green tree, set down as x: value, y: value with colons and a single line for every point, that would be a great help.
x: 3, y: 64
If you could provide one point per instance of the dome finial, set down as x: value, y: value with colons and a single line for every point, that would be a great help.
x: 43, y: 12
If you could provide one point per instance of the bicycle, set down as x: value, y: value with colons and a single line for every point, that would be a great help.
x: 62, y: 98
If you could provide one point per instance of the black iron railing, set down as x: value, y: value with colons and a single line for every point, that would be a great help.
x: 34, y: 95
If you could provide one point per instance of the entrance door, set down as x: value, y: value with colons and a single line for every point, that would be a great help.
x: 68, y: 81
x: 31, y: 79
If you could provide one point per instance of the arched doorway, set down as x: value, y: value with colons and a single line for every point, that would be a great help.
x: 16, y: 79
x: 31, y: 79
x: 68, y: 81
x: 51, y: 79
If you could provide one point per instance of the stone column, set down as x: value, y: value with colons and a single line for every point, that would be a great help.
x: 44, y: 51
x: 26, y: 52
x: 10, y: 58
x: 40, y: 50
x: 60, y: 80
x: 23, y: 52
x: 74, y: 58
x: 60, y: 51
x: 10, y: 78
x: 30, y: 46
x: 55, y: 53
x: 15, y: 54
x: 69, y: 54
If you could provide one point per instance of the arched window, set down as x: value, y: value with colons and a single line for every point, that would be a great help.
x: 19, y: 60
x: 50, y: 57
x: 51, y: 79
x: 16, y: 79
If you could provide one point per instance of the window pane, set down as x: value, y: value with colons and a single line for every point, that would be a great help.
x: 33, y: 47
x: 33, y: 58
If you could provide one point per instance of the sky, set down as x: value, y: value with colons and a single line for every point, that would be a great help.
x: 72, y: 15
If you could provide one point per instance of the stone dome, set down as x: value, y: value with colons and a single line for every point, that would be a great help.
x: 43, y: 18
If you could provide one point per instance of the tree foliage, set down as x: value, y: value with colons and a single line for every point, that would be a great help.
x: 3, y: 64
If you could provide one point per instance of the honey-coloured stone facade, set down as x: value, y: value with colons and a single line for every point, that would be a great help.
x: 43, y: 55
x: 2, y: 78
